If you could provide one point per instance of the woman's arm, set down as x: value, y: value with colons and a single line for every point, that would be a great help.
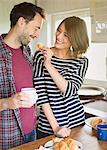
x: 62, y: 131
x: 58, y: 79
x: 50, y: 116
x: 73, y: 83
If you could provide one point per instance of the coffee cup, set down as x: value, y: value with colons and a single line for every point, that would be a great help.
x: 31, y: 92
x: 102, y: 132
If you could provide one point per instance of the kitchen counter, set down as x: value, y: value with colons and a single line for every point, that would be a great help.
x: 96, y: 106
x: 84, y: 134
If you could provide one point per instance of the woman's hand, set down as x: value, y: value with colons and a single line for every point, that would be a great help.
x: 48, y: 53
x: 63, y: 132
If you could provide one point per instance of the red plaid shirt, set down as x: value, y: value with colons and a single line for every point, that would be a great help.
x: 10, y: 123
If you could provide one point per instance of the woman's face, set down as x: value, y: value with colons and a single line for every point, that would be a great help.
x: 62, y: 39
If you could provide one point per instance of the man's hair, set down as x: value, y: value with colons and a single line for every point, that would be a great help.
x: 25, y: 10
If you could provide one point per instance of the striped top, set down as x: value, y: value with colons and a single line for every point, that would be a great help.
x: 66, y: 106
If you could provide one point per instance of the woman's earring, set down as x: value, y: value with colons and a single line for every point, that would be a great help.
x: 71, y: 48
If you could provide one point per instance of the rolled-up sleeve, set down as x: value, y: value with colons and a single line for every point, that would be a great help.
x: 75, y: 78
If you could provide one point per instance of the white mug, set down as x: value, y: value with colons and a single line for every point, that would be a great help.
x: 31, y: 93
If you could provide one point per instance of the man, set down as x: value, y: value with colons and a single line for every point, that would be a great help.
x: 17, y: 112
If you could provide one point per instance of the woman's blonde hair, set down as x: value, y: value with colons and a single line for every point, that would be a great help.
x: 77, y: 34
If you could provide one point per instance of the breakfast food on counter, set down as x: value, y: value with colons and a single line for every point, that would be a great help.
x: 60, y: 144
x: 40, y: 45
x: 96, y: 122
x: 40, y: 148
x: 57, y: 139
x: 65, y: 144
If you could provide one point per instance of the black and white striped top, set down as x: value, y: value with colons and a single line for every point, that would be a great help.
x: 66, y: 107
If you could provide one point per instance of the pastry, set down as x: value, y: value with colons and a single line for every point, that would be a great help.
x: 95, y: 122
x: 61, y: 146
x: 56, y: 146
x: 65, y: 144
x: 70, y: 142
x: 40, y: 45
x: 56, y: 139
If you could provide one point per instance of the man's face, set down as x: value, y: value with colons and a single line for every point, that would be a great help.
x: 30, y: 30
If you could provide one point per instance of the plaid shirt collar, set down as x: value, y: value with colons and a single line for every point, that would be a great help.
x: 6, y: 51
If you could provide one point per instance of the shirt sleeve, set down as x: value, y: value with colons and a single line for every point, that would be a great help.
x: 75, y: 78
x: 39, y: 78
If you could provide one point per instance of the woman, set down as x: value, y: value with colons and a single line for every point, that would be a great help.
x: 58, y: 74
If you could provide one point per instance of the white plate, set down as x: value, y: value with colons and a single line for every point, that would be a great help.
x: 50, y: 143
x: 88, y: 121
x: 90, y: 90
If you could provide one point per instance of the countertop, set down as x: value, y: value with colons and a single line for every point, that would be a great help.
x: 96, y: 106
x: 84, y: 134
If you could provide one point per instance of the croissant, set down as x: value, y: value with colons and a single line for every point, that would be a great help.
x: 61, y: 146
x: 65, y: 144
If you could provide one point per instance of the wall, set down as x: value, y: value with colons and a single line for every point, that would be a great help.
x: 54, y: 6
x: 5, y: 8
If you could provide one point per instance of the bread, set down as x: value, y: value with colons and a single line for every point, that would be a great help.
x: 95, y: 122
x: 56, y: 146
x: 65, y: 144
x: 61, y: 146
x: 40, y: 45
x: 71, y: 143
x: 56, y: 139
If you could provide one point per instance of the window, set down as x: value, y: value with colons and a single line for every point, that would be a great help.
x: 97, y: 52
x: 98, y: 10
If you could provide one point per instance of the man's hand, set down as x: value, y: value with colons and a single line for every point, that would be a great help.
x: 17, y: 101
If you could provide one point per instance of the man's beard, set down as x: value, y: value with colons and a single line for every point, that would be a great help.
x: 24, y: 40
